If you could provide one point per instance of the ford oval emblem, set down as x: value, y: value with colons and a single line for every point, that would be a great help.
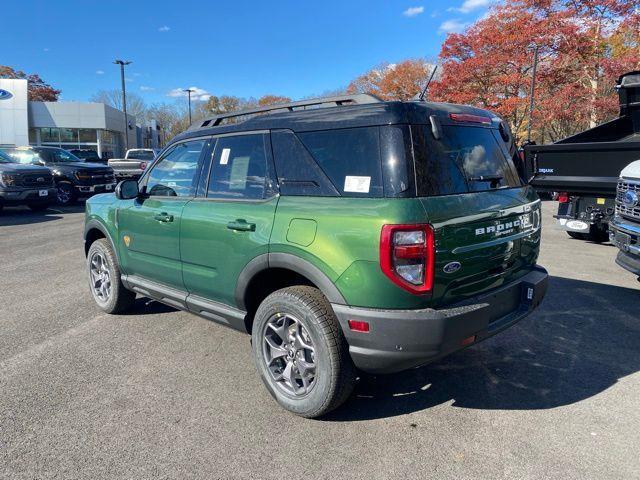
x: 452, y: 267
x: 4, y: 95
x: 630, y: 199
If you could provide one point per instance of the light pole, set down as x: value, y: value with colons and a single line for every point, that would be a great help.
x: 124, y: 102
x: 189, y: 90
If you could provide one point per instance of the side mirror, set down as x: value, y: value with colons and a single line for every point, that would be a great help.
x: 127, y: 190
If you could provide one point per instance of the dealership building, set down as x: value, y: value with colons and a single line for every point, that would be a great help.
x: 69, y: 125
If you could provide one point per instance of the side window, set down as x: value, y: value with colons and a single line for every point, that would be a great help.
x: 350, y: 157
x: 298, y: 173
x: 238, y: 168
x: 61, y: 156
x: 175, y: 175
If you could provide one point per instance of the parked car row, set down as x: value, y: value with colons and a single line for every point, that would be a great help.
x: 40, y: 176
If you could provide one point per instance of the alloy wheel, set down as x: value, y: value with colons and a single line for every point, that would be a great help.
x: 63, y: 194
x: 100, y: 277
x: 289, y: 355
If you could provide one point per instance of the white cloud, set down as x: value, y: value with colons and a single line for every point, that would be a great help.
x: 45, y: 49
x: 471, y: 5
x: 413, y: 11
x: 99, y: 72
x: 197, y: 94
x: 164, y: 28
x: 452, y: 26
x: 145, y: 88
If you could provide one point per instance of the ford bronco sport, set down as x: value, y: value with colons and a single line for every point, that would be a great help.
x: 343, y: 234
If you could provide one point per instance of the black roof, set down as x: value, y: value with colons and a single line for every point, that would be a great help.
x: 344, y: 116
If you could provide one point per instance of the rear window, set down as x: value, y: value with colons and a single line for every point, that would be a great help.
x: 350, y: 158
x: 140, y: 155
x: 465, y: 159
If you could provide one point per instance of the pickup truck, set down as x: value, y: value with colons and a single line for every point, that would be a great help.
x: 134, y: 163
x: 624, y: 228
x: 584, y: 169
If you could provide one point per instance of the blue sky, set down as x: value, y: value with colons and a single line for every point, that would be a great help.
x: 243, y: 48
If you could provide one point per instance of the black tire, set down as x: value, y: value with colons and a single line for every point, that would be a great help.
x: 578, y: 236
x: 598, y: 236
x: 66, y: 194
x: 335, y: 374
x: 119, y: 298
x: 38, y: 207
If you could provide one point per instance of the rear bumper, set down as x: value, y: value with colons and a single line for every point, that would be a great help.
x: 28, y: 196
x: 403, y: 339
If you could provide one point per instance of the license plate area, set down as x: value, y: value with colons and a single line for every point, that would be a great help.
x: 43, y: 193
x: 622, y: 241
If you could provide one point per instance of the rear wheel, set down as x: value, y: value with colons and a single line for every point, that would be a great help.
x: 300, y: 352
x: 104, y: 279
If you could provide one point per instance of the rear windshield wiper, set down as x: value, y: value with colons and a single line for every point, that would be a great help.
x: 493, y: 179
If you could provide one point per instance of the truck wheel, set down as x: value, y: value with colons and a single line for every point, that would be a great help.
x: 104, y: 279
x: 65, y: 194
x: 578, y: 236
x: 300, y: 352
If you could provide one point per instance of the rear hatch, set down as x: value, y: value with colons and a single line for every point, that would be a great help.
x: 486, y: 222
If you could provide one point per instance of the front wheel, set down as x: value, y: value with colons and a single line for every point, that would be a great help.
x: 104, y: 279
x: 65, y: 194
x: 301, y: 353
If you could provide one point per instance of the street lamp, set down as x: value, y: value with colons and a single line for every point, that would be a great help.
x: 189, y: 90
x: 124, y: 101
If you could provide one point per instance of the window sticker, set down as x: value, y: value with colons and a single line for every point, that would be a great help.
x: 357, y: 184
x: 224, y: 158
x: 239, y: 170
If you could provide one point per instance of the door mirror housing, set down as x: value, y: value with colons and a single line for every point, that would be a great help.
x: 127, y: 190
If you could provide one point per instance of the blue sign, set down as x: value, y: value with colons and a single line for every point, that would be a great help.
x: 4, y: 95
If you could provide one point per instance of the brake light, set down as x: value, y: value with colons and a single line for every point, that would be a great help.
x: 143, y: 165
x: 563, y: 197
x: 407, y: 256
x: 469, y: 118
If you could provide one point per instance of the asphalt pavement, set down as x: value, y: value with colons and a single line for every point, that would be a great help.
x: 159, y: 393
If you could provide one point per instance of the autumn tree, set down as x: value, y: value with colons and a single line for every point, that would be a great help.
x: 583, y: 46
x: 37, y: 89
x: 393, y: 81
x: 272, y: 100
x: 136, y: 105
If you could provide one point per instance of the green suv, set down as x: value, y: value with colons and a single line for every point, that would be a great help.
x: 343, y: 234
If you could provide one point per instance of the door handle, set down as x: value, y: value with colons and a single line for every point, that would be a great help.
x: 163, y: 217
x: 241, y: 225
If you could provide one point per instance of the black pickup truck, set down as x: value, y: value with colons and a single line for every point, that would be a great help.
x: 584, y: 169
x: 30, y: 185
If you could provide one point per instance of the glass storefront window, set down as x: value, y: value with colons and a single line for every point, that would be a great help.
x: 49, y: 135
x: 107, y: 137
x: 88, y: 135
x: 33, y: 137
x: 69, y: 135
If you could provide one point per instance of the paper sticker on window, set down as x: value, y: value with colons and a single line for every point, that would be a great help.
x: 224, y: 159
x: 239, y: 171
x: 357, y: 184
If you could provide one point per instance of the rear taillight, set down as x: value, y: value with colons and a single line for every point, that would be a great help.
x: 143, y: 165
x: 469, y: 118
x: 407, y: 256
x: 563, y: 197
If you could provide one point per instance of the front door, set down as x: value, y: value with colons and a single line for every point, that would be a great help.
x: 149, y: 227
x: 231, y: 223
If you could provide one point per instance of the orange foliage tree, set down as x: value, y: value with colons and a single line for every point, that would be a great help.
x: 37, y: 89
x: 393, y: 81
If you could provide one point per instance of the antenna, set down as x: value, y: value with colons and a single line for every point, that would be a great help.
x: 424, y: 92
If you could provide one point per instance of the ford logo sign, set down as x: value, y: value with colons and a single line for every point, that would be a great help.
x: 452, y: 267
x: 4, y: 95
x: 630, y: 199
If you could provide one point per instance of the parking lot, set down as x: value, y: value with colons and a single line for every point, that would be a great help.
x: 164, y: 394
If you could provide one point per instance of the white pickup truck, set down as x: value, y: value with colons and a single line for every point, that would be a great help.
x: 134, y: 163
x: 624, y: 228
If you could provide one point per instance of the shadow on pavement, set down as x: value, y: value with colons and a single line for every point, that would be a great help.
x: 25, y: 216
x: 583, y: 339
x: 146, y: 306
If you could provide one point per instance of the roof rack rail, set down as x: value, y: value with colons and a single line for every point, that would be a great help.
x: 357, y: 99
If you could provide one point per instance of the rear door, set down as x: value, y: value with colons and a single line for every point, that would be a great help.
x: 486, y: 222
x: 149, y: 227
x: 230, y: 223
